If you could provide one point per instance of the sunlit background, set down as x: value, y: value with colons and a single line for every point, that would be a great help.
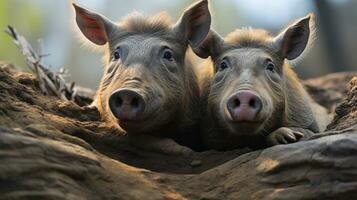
x: 335, y: 48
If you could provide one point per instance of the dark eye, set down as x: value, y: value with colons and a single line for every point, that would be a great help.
x: 116, y: 54
x: 167, y: 55
x: 223, y: 66
x: 270, y: 66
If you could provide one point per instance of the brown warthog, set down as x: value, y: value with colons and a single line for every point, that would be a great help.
x: 252, y: 97
x: 149, y: 86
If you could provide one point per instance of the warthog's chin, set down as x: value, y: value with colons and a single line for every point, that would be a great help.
x: 133, y: 126
x: 245, y: 127
x: 147, y: 122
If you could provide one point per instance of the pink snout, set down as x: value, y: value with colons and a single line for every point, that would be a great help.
x: 244, y: 106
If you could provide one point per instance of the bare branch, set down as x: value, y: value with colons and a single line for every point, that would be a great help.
x: 50, y: 83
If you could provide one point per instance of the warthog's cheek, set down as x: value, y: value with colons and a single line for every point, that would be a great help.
x: 152, y: 107
x: 224, y: 112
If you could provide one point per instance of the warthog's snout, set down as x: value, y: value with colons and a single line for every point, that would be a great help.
x: 244, y: 106
x: 126, y: 104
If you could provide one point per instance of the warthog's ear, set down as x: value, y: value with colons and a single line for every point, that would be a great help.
x: 292, y: 42
x: 211, y: 46
x: 194, y: 24
x: 94, y: 26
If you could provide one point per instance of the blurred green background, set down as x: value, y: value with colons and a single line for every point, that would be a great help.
x: 53, y: 22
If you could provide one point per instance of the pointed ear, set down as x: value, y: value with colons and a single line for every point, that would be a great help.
x: 211, y: 46
x: 194, y: 24
x: 292, y: 42
x: 95, y: 27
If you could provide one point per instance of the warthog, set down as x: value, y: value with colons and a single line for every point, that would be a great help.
x: 149, y: 86
x: 251, y: 96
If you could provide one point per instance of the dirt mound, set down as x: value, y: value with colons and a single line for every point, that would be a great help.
x: 53, y: 149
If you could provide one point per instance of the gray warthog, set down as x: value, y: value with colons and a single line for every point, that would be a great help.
x: 149, y: 86
x: 251, y: 96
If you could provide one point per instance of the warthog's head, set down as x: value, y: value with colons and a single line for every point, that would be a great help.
x: 148, y: 80
x: 251, y: 84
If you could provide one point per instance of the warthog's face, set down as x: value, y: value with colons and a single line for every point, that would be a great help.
x: 144, y: 81
x: 246, y: 90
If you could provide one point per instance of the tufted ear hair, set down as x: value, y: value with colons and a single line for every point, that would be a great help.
x: 194, y: 24
x: 292, y: 42
x: 211, y: 46
x: 94, y: 27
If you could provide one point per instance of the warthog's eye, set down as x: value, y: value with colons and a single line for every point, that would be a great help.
x: 270, y: 66
x: 116, y: 54
x: 223, y: 65
x: 168, y: 55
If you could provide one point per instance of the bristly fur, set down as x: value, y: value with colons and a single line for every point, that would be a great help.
x: 138, y: 23
x: 249, y: 37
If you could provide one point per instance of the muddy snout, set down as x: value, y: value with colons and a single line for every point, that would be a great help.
x: 126, y: 104
x: 244, y: 106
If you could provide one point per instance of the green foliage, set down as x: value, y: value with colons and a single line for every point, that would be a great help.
x: 27, y: 18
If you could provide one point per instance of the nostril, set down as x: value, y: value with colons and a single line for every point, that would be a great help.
x: 118, y: 102
x: 135, y: 102
x: 253, y: 103
x: 236, y: 103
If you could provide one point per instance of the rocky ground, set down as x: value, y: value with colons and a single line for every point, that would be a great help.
x: 52, y: 149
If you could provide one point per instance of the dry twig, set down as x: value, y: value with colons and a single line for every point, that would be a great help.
x: 50, y: 83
